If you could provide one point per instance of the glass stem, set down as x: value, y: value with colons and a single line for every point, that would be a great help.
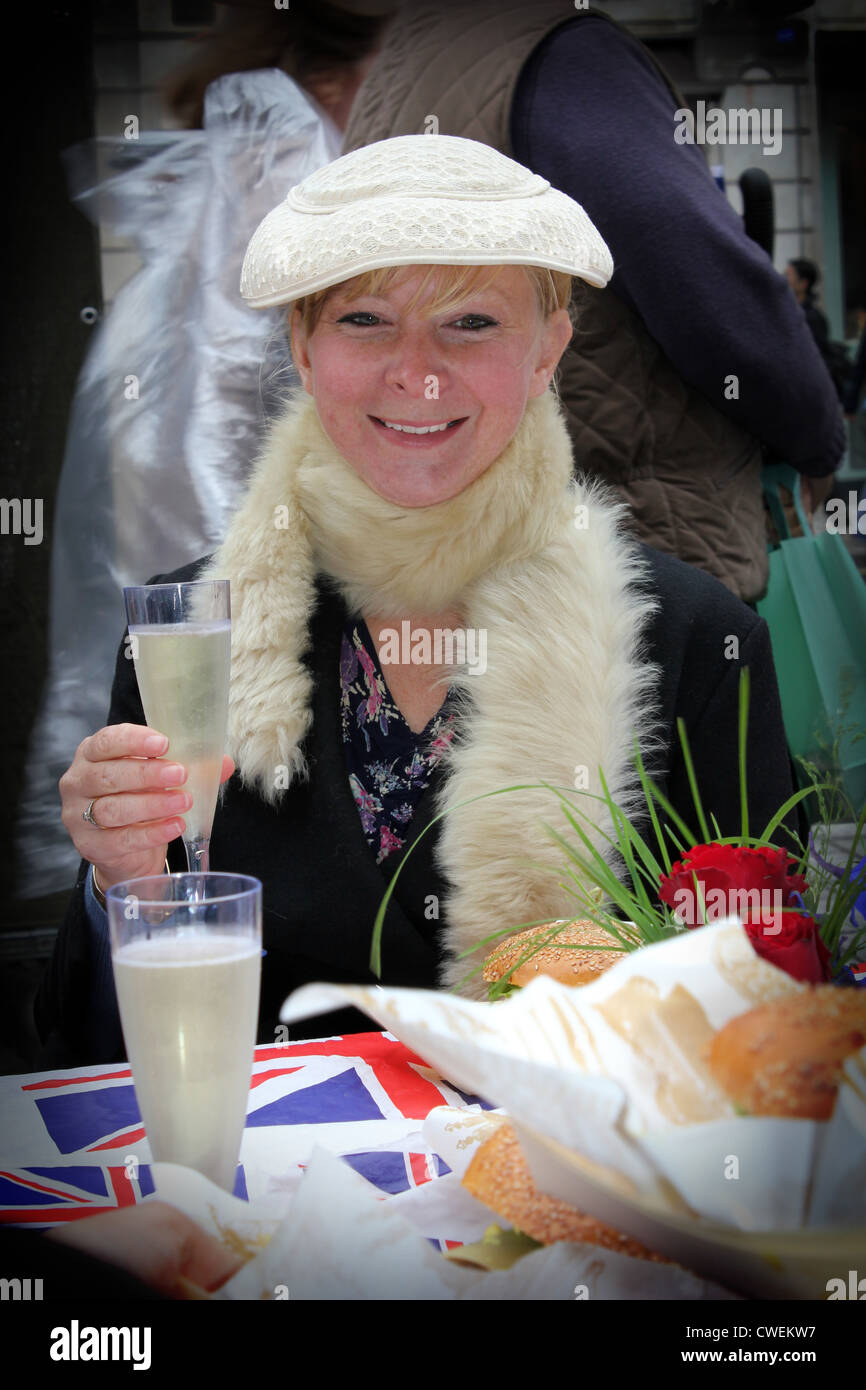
x: 198, y: 854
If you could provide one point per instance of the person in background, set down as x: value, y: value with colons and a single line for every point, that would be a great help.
x: 325, y: 46
x: 857, y: 370
x: 698, y: 363
x: 803, y: 275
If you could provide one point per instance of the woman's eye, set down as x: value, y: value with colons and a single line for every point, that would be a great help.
x: 475, y: 322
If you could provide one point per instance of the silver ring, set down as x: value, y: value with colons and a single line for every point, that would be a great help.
x: 88, y: 814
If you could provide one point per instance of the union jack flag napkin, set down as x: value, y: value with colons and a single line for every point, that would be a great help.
x: 72, y: 1142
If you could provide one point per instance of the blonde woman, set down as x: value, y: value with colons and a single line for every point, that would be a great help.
x: 422, y: 485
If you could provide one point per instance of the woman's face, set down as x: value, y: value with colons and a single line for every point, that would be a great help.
x: 372, y: 364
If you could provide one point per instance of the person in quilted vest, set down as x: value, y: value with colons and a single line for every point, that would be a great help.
x: 698, y: 364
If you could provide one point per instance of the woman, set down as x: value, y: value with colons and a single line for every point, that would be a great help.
x: 422, y: 486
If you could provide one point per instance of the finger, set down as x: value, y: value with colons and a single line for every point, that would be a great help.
x: 227, y: 768
x: 110, y: 846
x: 155, y: 1242
x: 111, y: 812
x: 207, y: 1262
x: 127, y: 775
x: 123, y: 741
x: 197, y: 1255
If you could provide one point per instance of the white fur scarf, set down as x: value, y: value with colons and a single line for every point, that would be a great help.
x: 527, y: 554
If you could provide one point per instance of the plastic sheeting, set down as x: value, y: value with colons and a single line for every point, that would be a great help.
x: 171, y: 403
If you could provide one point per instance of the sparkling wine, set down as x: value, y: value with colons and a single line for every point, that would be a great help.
x: 189, y: 1006
x: 183, y: 677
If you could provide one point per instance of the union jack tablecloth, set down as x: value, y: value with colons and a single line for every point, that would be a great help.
x: 72, y: 1143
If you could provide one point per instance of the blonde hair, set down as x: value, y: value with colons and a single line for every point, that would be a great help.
x: 450, y: 285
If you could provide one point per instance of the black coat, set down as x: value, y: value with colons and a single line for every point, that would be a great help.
x: 322, y: 885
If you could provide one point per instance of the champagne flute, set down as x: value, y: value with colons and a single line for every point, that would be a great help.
x: 187, y: 967
x: 180, y: 637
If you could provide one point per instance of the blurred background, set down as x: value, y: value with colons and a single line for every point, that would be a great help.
x: 79, y: 71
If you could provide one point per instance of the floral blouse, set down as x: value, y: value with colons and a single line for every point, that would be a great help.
x: 388, y: 764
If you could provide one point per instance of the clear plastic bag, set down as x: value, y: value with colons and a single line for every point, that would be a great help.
x: 171, y: 404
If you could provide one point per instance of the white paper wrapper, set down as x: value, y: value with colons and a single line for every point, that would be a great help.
x: 612, y: 1072
x: 214, y: 1208
x: 342, y: 1240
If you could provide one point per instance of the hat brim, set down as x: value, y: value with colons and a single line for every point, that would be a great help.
x: 294, y: 253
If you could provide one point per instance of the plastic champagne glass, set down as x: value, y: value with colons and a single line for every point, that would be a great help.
x: 180, y: 641
x: 187, y: 966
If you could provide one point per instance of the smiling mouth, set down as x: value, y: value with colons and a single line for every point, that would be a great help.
x: 424, y: 431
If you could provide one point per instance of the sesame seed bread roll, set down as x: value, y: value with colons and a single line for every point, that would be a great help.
x: 785, y: 1057
x: 498, y: 1175
x: 572, y: 967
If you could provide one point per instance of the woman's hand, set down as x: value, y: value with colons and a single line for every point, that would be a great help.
x: 155, y: 1242
x: 138, y: 801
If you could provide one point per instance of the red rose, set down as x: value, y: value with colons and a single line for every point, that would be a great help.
x: 754, y: 885
x: 797, y: 948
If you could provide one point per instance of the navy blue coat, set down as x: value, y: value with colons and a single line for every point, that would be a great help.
x: 322, y: 885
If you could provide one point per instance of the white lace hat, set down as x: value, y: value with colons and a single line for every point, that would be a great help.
x: 417, y: 200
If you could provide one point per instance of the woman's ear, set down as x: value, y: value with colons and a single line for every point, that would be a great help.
x: 555, y: 337
x: 300, y: 351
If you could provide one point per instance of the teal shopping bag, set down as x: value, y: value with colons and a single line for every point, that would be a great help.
x: 815, y: 608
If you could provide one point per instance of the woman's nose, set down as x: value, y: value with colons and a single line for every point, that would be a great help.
x: 416, y: 368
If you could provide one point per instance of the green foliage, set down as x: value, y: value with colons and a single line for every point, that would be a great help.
x: 625, y: 903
